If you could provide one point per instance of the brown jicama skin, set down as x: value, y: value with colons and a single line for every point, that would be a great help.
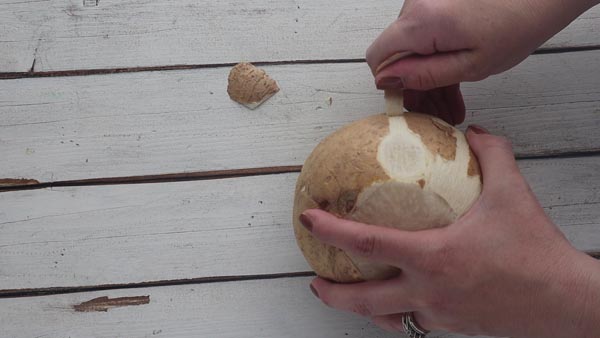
x: 409, y: 172
x: 250, y: 86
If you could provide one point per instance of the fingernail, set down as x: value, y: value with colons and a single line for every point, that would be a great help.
x: 390, y: 83
x: 478, y: 129
x: 314, y: 291
x: 306, y: 222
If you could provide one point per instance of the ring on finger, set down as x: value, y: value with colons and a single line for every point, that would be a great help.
x: 412, y: 329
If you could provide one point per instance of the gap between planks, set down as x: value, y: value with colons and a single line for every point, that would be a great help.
x: 83, y: 72
x: 17, y: 293
x: 30, y: 184
x: 218, y: 275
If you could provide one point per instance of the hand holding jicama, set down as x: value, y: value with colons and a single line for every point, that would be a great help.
x: 407, y: 171
x: 502, y: 269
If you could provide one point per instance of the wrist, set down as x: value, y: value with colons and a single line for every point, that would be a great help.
x: 560, y: 298
x: 555, y: 15
x: 590, y: 3
x: 573, y: 9
x: 571, y: 305
x: 589, y: 297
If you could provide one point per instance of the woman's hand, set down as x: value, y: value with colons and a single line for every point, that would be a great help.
x: 503, y: 269
x: 462, y: 40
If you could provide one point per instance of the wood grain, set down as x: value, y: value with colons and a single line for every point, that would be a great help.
x: 62, y: 35
x: 73, y: 128
x: 82, y: 236
x: 279, y: 308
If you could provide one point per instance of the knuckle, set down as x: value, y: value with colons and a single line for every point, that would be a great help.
x: 365, y: 244
x: 439, y: 258
x: 369, y: 56
x: 501, y: 142
x: 400, y: 24
x: 407, y: 24
x: 440, y: 14
x: 432, y: 265
x: 437, y: 302
x: 373, y: 54
x: 362, y: 308
x: 428, y: 8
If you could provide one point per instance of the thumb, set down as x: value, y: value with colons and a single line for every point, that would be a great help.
x: 380, y: 244
x: 425, y: 72
x: 496, y: 158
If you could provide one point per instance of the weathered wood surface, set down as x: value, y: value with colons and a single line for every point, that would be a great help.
x: 152, y: 123
x: 67, y: 34
x: 69, y: 128
x: 280, y: 308
x: 134, y: 233
x: 82, y: 236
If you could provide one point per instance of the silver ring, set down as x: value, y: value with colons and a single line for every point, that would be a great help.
x: 412, y: 329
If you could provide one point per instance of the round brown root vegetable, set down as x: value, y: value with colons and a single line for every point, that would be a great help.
x: 410, y: 172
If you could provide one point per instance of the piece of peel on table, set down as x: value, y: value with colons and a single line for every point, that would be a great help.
x: 250, y: 86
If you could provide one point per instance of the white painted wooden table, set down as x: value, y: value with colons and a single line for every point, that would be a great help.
x: 128, y: 172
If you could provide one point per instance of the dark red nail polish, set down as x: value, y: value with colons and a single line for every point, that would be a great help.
x: 306, y: 222
x: 478, y: 129
x: 390, y: 83
x: 314, y: 291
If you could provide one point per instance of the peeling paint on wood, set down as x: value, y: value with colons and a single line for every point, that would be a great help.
x: 103, y: 304
x: 11, y: 182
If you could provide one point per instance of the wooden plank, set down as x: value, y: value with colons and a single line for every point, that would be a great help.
x: 70, y: 128
x: 63, y: 35
x: 135, y: 233
x: 271, y: 308
x: 82, y: 236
